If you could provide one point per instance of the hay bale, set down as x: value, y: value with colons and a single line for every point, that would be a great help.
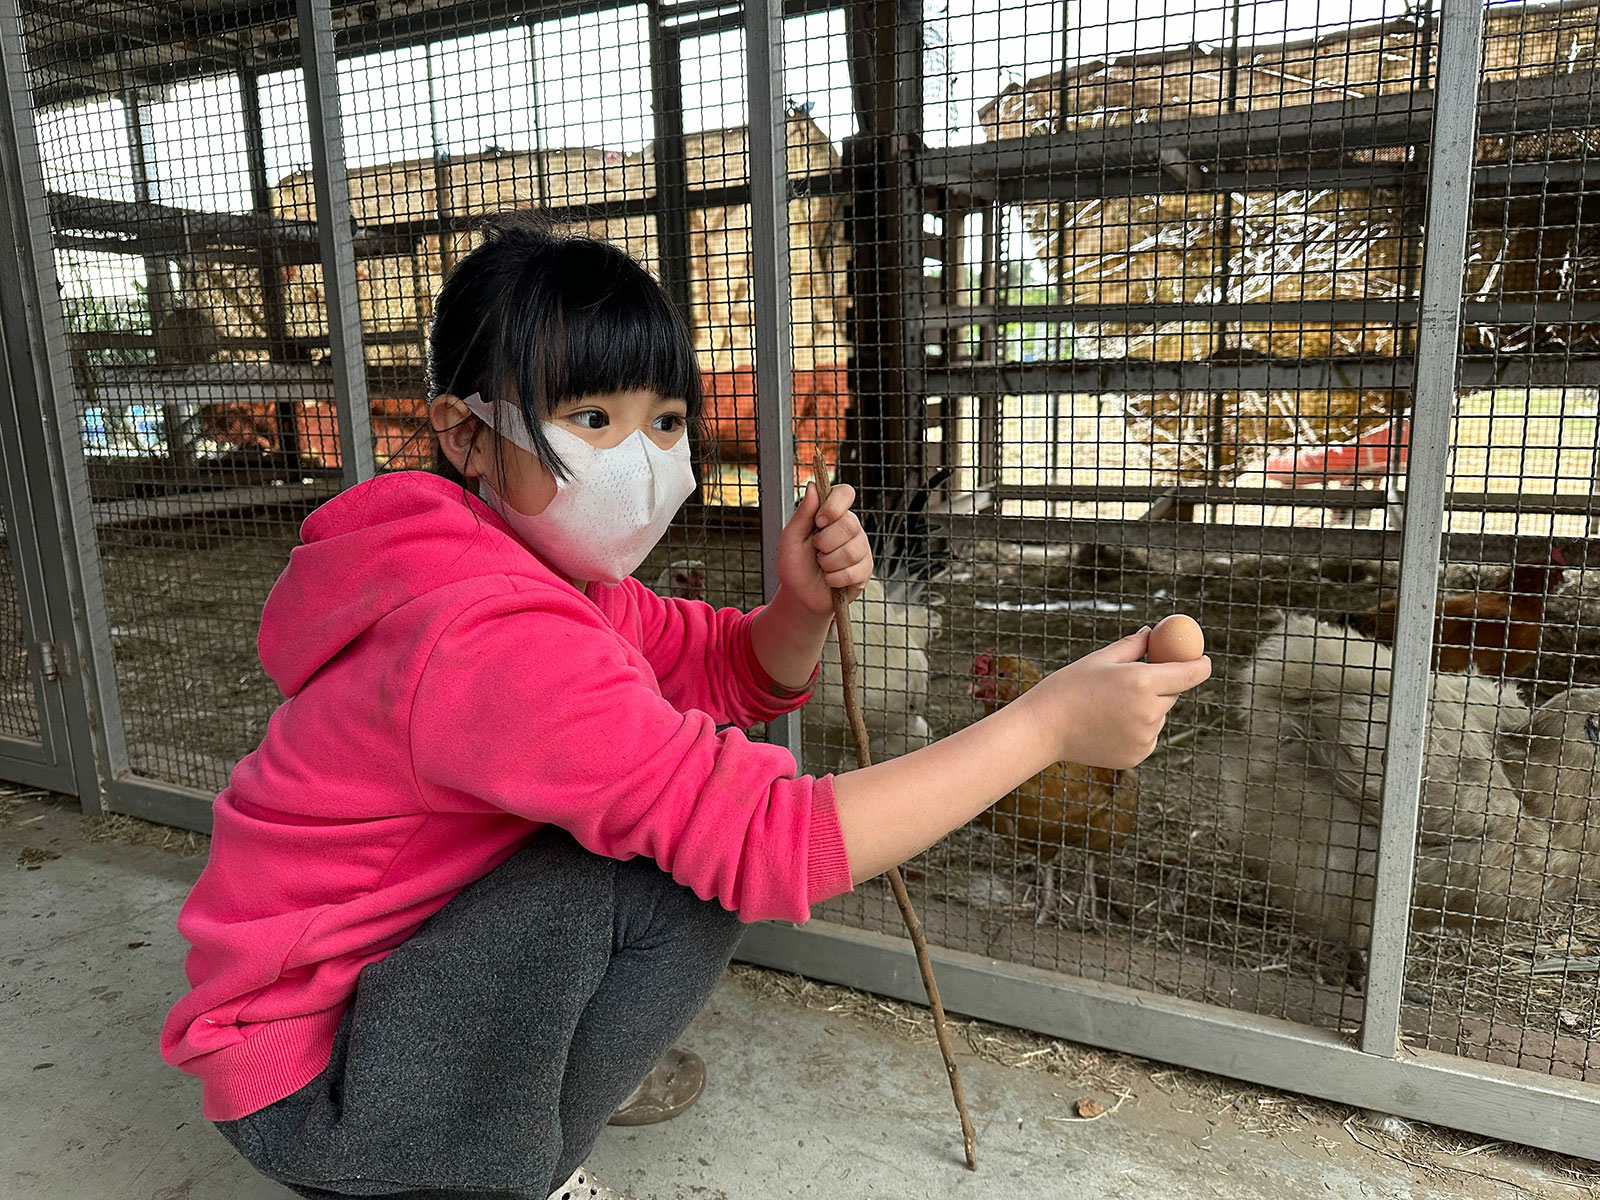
x: 396, y: 291
x: 1294, y: 244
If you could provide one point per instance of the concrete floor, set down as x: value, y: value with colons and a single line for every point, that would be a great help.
x: 801, y: 1103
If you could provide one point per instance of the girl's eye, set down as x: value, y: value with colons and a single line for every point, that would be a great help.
x: 670, y: 422
x: 590, y: 418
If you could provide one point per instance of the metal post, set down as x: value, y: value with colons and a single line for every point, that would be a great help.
x: 341, y: 299
x: 158, y: 278
x: 1592, y: 395
x: 769, y: 259
x: 157, y: 270
x: 49, y: 448
x: 671, y: 165
x: 1450, y: 160
x: 884, y: 431
x: 274, y: 313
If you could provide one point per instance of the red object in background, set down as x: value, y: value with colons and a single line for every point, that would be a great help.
x: 1373, y: 455
x: 821, y: 397
x: 399, y: 436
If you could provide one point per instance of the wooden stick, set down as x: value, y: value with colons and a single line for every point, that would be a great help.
x: 919, y: 942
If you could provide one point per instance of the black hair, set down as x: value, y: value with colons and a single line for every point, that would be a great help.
x: 539, y: 318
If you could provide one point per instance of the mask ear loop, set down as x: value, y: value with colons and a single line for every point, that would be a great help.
x: 510, y: 428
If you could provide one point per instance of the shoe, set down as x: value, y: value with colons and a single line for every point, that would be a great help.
x: 671, y: 1088
x: 581, y: 1185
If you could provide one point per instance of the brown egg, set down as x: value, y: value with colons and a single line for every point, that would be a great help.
x: 1176, y: 639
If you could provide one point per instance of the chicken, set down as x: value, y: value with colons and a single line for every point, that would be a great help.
x: 891, y: 646
x: 1302, y: 787
x: 685, y: 579
x: 1552, y: 762
x: 1495, y: 629
x: 892, y: 629
x: 1067, y: 804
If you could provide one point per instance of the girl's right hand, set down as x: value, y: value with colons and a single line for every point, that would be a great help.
x: 1107, y: 709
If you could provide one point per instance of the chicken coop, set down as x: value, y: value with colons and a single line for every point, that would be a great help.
x: 1285, y: 316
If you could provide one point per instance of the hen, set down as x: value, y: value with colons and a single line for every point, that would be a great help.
x: 1067, y: 804
x: 1504, y: 818
x: 1495, y: 629
x: 1553, y: 761
x: 685, y: 579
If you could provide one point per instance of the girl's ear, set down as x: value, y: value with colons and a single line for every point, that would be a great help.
x: 457, y: 430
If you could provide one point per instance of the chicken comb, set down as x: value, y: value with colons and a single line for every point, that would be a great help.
x: 1535, y: 577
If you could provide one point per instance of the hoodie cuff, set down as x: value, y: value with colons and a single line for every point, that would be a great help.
x: 827, y: 864
x: 771, y: 698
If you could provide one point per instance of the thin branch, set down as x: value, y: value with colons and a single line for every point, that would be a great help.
x: 858, y: 726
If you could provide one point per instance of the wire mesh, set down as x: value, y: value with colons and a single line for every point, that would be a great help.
x: 19, y: 703
x: 1519, y: 982
x: 1106, y: 312
x: 1107, y: 337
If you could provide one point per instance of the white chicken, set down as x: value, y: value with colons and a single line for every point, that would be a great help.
x: 892, y: 631
x: 1552, y: 762
x: 1302, y: 792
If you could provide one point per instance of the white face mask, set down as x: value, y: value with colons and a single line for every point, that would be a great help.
x: 611, y: 509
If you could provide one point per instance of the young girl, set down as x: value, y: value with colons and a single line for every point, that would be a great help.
x: 493, y: 854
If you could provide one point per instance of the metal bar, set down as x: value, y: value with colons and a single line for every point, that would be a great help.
x: 769, y: 259
x: 732, y: 17
x: 165, y: 803
x: 69, y: 210
x: 50, y: 447
x: 1146, y: 375
x: 1015, y: 188
x: 1544, y: 103
x: 1571, y: 503
x: 1556, y: 1114
x: 41, y: 761
x: 26, y: 764
x: 1594, y: 463
x: 154, y: 227
x: 274, y: 312
x: 1287, y: 312
x: 961, y: 520
x: 941, y: 316
x: 1352, y: 373
x: 156, y: 63
x: 334, y: 232
x: 157, y: 279
x: 992, y: 235
x: 24, y: 757
x: 952, y: 272
x: 1438, y: 336
x: 157, y: 273
x: 671, y: 161
x: 1227, y: 538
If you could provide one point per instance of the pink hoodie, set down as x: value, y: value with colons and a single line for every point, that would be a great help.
x: 448, y: 695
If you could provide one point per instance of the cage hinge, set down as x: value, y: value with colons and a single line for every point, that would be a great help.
x: 49, y: 662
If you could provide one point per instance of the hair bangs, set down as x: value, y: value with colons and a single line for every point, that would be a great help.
x: 615, y: 331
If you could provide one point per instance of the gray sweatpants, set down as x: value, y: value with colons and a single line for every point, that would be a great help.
x: 485, y: 1054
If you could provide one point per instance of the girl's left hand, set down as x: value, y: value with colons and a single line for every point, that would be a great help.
x: 822, y: 548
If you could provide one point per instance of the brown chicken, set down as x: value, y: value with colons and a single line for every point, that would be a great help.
x: 1066, y: 804
x: 1495, y: 629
